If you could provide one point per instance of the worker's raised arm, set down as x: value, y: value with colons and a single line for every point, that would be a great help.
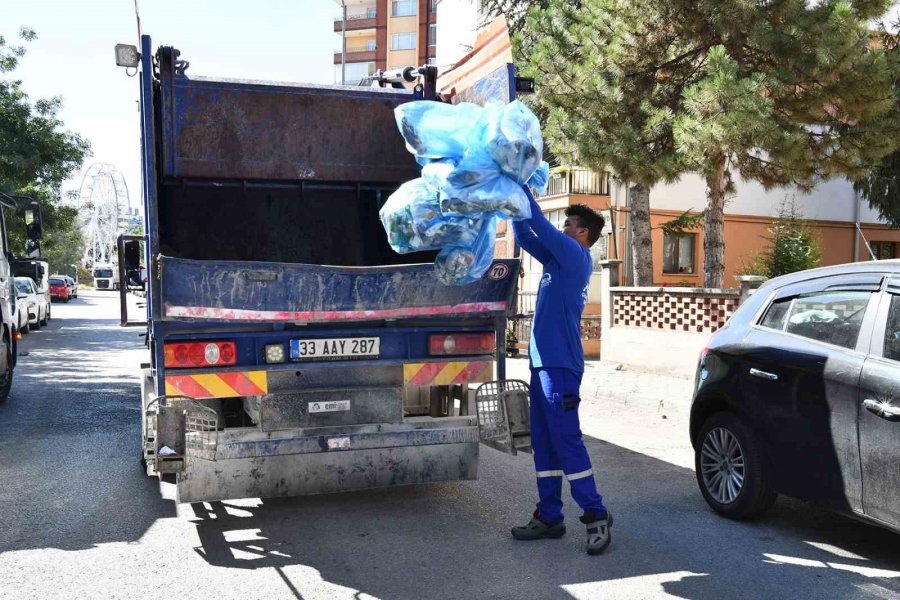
x: 530, y: 242
x: 554, y: 241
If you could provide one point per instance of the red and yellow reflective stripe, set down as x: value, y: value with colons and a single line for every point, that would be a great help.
x: 218, y: 385
x: 447, y: 373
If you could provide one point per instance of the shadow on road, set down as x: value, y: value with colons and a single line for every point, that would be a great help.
x: 435, y: 541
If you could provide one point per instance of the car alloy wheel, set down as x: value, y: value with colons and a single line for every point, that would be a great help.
x: 722, y: 465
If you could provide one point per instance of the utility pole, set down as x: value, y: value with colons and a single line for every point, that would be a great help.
x: 343, y: 42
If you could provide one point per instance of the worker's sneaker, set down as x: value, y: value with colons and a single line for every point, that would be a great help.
x: 537, y: 529
x: 599, y: 534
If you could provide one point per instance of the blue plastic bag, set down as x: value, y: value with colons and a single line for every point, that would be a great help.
x: 512, y: 135
x: 474, y: 163
x: 463, y: 264
x: 434, y: 130
x: 540, y: 179
x: 413, y: 221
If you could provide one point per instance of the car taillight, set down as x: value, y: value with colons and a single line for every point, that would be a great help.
x: 199, y: 354
x: 461, y: 344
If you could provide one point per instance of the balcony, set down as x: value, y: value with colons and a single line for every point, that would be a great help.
x: 355, y: 56
x: 356, y: 22
x: 577, y: 180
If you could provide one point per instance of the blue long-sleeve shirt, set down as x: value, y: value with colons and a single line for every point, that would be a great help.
x: 556, y: 331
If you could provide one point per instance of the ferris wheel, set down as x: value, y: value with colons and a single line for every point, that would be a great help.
x: 105, y: 210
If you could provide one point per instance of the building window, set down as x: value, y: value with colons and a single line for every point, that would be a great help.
x: 403, y: 8
x: 884, y: 250
x: 355, y: 71
x: 432, y: 6
x: 370, y: 45
x: 403, y: 41
x: 432, y: 62
x: 432, y: 35
x: 678, y: 253
x: 371, y: 13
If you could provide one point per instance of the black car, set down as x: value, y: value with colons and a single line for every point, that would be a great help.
x: 799, y: 394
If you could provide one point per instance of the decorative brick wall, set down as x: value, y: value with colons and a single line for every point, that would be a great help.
x: 684, y: 310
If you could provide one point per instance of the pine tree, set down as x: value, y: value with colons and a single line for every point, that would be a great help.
x: 787, y: 92
x: 780, y: 92
x: 605, y: 109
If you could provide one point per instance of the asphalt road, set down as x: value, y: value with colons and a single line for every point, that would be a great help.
x: 78, y: 518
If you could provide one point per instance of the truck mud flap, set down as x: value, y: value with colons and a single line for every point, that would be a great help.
x: 255, y: 464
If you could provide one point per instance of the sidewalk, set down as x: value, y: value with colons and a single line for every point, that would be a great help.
x: 606, y: 382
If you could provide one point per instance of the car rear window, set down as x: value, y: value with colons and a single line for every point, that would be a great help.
x: 892, y: 333
x: 830, y: 317
x: 54, y: 281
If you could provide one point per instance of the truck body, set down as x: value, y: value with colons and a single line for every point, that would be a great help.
x: 292, y: 351
x: 106, y: 276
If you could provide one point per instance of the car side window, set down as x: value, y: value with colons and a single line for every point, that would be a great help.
x: 830, y: 317
x: 892, y: 330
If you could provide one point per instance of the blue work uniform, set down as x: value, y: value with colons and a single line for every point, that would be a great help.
x: 557, y: 366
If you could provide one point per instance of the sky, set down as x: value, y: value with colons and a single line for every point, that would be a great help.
x: 73, y: 57
x: 278, y: 40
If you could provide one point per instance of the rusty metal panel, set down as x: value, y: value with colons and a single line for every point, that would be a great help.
x: 253, y: 130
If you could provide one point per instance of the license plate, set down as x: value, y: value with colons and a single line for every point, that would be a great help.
x: 336, y: 349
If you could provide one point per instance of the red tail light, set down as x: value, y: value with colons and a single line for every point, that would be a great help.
x: 199, y: 354
x: 461, y: 344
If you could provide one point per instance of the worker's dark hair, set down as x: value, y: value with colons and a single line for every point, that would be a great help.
x: 588, y: 218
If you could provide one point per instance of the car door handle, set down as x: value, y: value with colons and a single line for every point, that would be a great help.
x: 764, y: 375
x: 885, y: 410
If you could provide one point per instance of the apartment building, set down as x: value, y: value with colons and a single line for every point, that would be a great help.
x: 383, y: 34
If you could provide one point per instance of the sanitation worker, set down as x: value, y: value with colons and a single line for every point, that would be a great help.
x: 556, y: 359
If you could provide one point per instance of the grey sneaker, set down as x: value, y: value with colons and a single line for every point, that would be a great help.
x: 537, y: 529
x: 599, y: 534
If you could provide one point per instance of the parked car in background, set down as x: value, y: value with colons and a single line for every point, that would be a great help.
x: 73, y: 287
x: 28, y: 302
x: 59, y: 289
x: 799, y: 394
x: 38, y: 271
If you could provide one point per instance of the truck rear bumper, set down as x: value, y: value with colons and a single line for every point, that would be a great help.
x: 250, y: 463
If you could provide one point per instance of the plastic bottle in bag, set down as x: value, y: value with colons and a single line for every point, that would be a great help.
x: 460, y: 265
x: 512, y: 135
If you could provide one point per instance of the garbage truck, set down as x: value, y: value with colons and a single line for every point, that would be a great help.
x: 291, y: 351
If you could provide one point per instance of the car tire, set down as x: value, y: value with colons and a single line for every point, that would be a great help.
x: 46, y: 317
x: 26, y: 328
x: 37, y: 324
x: 6, y: 379
x: 727, y: 446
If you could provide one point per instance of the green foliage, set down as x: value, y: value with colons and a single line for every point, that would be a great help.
x: 36, y: 155
x: 686, y: 221
x: 782, y: 93
x: 793, y: 246
x: 880, y: 185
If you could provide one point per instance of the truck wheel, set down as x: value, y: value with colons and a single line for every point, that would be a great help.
x: 7, y: 377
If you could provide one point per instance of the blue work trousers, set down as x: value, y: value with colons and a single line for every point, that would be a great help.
x: 558, y: 448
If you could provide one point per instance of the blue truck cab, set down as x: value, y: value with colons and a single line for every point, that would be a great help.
x: 292, y: 351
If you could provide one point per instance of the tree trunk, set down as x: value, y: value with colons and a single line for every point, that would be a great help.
x: 641, y: 244
x: 714, y: 234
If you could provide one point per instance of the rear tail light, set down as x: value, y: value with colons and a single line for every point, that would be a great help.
x: 461, y: 344
x: 199, y: 354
